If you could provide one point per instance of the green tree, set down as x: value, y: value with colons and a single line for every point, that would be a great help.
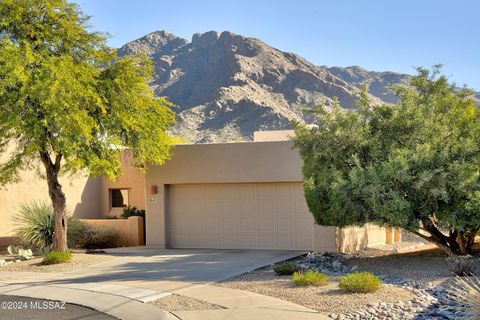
x: 414, y: 165
x: 69, y: 104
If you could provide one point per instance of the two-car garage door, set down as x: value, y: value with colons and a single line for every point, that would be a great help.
x: 238, y: 216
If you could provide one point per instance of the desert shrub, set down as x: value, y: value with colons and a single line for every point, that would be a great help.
x: 76, y: 232
x: 55, y: 257
x: 130, y: 211
x: 97, y: 237
x: 466, y: 291
x: 285, y: 268
x: 35, y: 225
x: 360, y: 282
x: 462, y: 266
x: 390, y: 166
x: 310, y: 278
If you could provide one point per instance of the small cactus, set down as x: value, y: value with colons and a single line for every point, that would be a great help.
x: 24, y: 254
x: 12, y: 249
x: 44, y: 250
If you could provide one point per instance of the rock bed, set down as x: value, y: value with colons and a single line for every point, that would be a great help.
x: 324, y: 299
x: 431, y: 302
x: 9, y: 260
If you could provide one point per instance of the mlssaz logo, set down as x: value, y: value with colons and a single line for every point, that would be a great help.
x: 47, y: 305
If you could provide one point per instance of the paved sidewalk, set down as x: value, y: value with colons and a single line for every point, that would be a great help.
x: 116, y: 306
x: 248, y: 314
x: 238, y: 299
x: 131, y: 292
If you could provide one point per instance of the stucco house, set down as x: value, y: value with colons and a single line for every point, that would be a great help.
x: 245, y: 195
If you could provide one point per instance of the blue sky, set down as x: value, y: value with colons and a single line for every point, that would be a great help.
x: 379, y: 35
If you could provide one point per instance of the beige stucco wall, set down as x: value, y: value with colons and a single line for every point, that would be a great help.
x: 82, y: 192
x: 248, y: 162
x: 357, y: 238
x: 273, y: 135
x: 87, y: 198
x: 131, y: 179
x: 130, y: 231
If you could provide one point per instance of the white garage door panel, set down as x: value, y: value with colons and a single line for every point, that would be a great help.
x: 239, y: 216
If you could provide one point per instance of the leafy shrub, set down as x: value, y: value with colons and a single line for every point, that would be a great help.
x: 55, y: 257
x: 310, y: 278
x: 391, y: 165
x: 35, y: 225
x: 286, y: 269
x: 462, y: 266
x: 75, y: 232
x: 97, y: 237
x: 132, y: 212
x: 466, y: 291
x: 360, y: 282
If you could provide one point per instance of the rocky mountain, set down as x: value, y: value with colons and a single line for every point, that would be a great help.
x: 227, y: 86
x: 378, y: 81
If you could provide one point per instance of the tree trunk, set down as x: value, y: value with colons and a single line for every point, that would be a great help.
x: 58, y: 200
x: 436, y: 241
x: 456, y: 243
x: 471, y: 240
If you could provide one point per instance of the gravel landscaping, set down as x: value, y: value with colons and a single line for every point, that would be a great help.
x: 416, y: 286
x: 176, y: 302
x: 79, y: 260
x: 424, y: 266
x: 325, y: 299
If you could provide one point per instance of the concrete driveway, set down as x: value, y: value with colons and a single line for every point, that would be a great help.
x: 193, y: 266
x: 122, y: 286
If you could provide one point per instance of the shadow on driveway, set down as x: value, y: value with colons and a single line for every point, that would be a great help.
x: 194, y: 266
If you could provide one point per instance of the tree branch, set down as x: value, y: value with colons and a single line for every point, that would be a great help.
x: 45, y: 157
x: 435, y: 241
x: 58, y: 160
x: 430, y: 227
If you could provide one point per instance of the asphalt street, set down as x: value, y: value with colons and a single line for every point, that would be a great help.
x: 22, y: 308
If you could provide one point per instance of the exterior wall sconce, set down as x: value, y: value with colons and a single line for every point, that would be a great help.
x: 154, y: 189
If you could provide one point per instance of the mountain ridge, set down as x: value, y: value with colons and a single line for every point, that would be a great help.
x: 227, y: 86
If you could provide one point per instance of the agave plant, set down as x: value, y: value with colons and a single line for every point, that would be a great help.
x: 35, y: 225
x: 463, y: 265
x: 466, y: 291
